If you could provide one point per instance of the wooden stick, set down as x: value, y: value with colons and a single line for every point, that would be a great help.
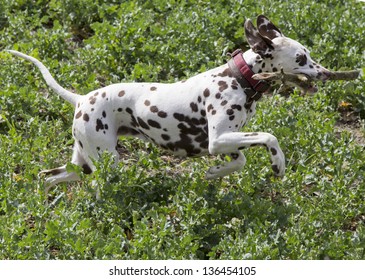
x: 345, y: 75
x: 302, y: 79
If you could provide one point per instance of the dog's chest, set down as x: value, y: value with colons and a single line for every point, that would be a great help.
x: 177, y: 117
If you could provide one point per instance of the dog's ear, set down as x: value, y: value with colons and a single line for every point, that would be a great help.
x: 258, y: 43
x: 267, y: 28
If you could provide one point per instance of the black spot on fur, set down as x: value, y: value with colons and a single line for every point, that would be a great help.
x: 179, y: 117
x: 154, y: 124
x: 206, y: 92
x: 234, y: 85
x: 251, y: 134
x: 226, y: 73
x: 204, y: 144
x: 273, y: 151
x: 190, y: 127
x: 142, y: 123
x: 201, y: 138
x: 236, y: 107
x: 154, y: 109
x: 222, y: 85
x: 86, y: 169
x: 165, y: 137
x: 194, y: 107
x: 78, y: 115
x: 92, y: 100
x: 224, y: 102
x: 185, y: 143
x: 86, y: 117
x: 268, y: 55
x: 162, y: 114
x: 99, y: 125
x: 275, y: 168
x: 235, y: 156
x: 301, y: 59
x: 230, y: 112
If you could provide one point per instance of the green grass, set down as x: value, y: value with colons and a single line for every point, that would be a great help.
x: 154, y: 206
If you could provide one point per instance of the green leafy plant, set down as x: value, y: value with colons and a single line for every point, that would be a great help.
x: 154, y: 206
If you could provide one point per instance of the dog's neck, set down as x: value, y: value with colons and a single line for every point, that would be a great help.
x: 257, y: 63
x: 242, y: 71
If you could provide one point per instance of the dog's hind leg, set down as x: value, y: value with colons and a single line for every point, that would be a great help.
x: 60, y: 174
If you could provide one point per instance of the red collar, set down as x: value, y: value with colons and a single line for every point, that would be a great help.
x: 240, y: 68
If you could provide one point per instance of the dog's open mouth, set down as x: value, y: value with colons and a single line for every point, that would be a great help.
x: 309, y: 87
x: 306, y: 83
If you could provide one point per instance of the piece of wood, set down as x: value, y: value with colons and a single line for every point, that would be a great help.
x: 302, y: 79
x: 345, y: 75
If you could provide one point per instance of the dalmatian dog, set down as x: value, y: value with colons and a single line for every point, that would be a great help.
x: 198, y: 116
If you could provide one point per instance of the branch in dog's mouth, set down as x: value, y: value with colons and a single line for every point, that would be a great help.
x: 305, y: 82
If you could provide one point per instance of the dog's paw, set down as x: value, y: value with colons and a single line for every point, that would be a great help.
x: 214, y: 173
x: 279, y: 170
x: 277, y: 161
x: 278, y: 166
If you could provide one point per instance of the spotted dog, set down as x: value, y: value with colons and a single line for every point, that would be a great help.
x: 201, y: 115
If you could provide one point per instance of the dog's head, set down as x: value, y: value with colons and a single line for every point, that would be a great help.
x: 279, y: 52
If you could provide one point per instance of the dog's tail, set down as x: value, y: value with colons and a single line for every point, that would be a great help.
x: 51, y: 82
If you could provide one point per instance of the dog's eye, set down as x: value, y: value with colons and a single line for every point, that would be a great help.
x: 301, y: 59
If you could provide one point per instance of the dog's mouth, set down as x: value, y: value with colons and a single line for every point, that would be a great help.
x: 310, y: 85
x: 306, y: 83
x: 309, y: 88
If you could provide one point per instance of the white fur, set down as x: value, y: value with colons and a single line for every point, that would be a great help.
x: 181, y: 117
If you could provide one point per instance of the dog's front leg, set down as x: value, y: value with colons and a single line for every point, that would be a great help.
x: 237, y: 162
x: 232, y: 142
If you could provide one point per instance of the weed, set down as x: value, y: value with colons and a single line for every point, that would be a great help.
x: 153, y: 206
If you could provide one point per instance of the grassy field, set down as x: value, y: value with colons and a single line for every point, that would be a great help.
x: 154, y: 206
